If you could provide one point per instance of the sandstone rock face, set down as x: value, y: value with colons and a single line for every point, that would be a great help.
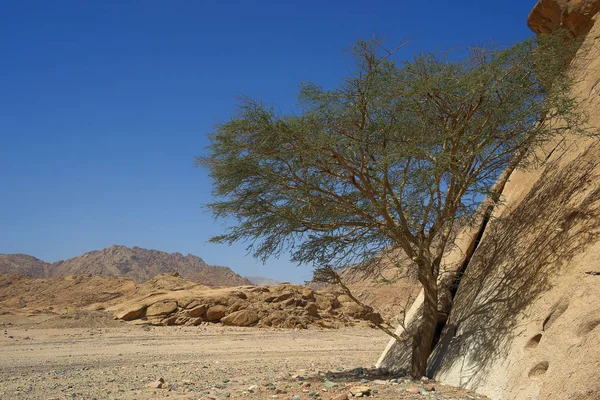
x: 573, y: 15
x: 524, y: 318
x: 396, y: 356
x: 525, y: 322
x: 198, y: 311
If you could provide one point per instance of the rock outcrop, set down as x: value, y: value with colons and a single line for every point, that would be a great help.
x: 171, y: 300
x: 577, y: 16
x: 279, y: 306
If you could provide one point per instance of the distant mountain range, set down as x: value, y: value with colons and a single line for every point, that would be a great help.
x: 260, y: 281
x: 135, y: 263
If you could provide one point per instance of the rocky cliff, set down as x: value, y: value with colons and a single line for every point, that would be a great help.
x: 525, y: 322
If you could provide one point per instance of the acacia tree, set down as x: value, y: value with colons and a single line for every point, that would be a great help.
x: 390, y: 158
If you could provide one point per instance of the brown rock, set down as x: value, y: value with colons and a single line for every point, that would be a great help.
x: 190, y: 304
x: 239, y: 295
x: 141, y: 265
x: 575, y: 16
x: 413, y: 390
x: 355, y: 390
x: 312, y: 309
x: 236, y: 306
x: 308, y: 294
x: 343, y: 396
x: 157, y: 384
x: 161, y: 308
x: 187, y: 302
x: 354, y: 310
x: 430, y: 387
x: 322, y: 302
x: 179, y: 320
x: 215, y: 313
x: 290, y: 303
x: 278, y: 298
x: 344, y: 298
x: 198, y: 311
x: 131, y: 313
x: 241, y: 318
x: 170, y: 320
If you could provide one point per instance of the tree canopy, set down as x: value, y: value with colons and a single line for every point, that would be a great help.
x: 393, y: 156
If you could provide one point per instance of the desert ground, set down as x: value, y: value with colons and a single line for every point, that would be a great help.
x: 87, y: 355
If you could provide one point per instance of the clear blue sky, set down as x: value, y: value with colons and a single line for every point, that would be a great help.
x: 105, y: 104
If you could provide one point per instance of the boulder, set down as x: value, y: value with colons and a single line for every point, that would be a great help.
x: 241, y: 318
x: 198, y: 311
x: 308, y: 294
x: 279, y: 297
x: 215, y: 313
x: 131, y: 313
x: 360, y: 390
x: 312, y: 309
x: 161, y: 308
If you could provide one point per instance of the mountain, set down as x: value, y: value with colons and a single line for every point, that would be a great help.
x: 134, y: 263
x: 25, y: 265
x: 261, y: 281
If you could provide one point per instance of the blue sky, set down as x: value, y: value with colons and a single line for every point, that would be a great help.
x: 105, y: 104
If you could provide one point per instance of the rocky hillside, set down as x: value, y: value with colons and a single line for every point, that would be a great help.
x: 25, y: 265
x: 135, y: 263
x: 22, y: 294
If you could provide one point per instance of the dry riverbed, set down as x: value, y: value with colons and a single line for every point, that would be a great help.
x: 89, y: 356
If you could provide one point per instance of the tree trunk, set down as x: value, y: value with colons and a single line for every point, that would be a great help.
x: 423, y: 339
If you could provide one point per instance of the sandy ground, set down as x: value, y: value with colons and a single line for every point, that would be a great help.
x: 87, y: 357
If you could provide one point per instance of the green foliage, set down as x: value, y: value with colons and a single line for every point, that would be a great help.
x: 392, y: 156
